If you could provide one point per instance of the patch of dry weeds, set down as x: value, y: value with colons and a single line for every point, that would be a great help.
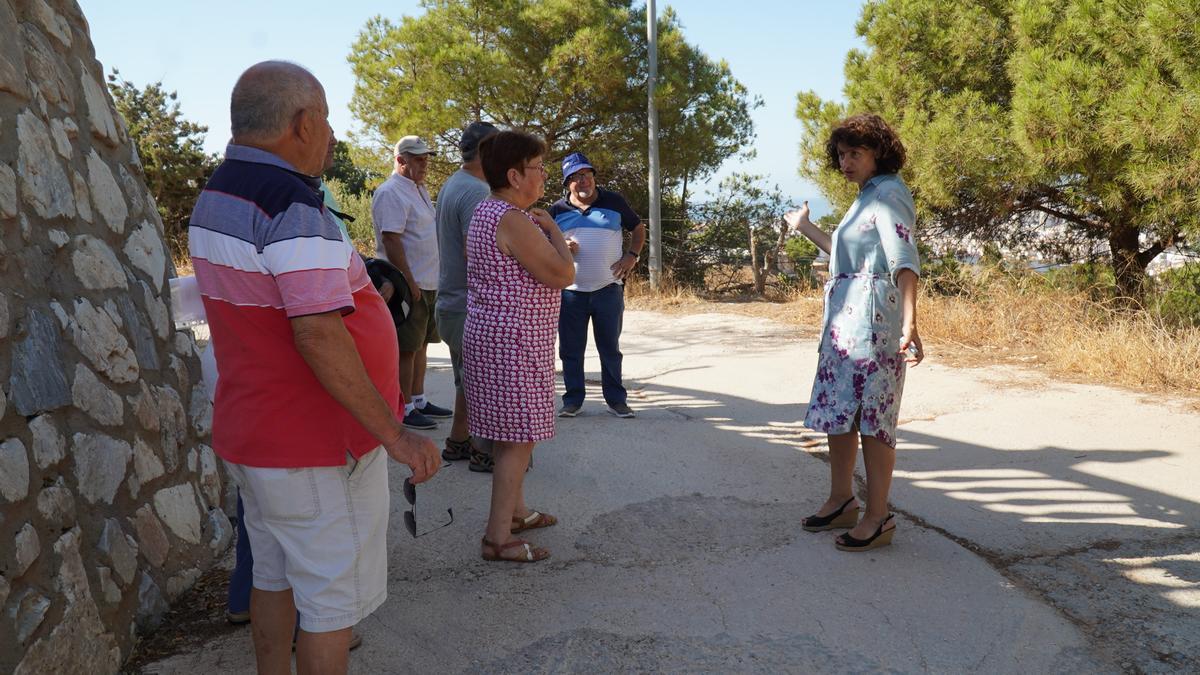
x: 1064, y: 333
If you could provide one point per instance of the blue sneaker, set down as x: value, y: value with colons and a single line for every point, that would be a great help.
x: 431, y: 410
x: 415, y: 420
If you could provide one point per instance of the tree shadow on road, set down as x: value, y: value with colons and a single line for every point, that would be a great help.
x: 1076, y: 526
x: 1072, y: 524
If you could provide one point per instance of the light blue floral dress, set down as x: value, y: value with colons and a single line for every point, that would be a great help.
x: 859, y: 372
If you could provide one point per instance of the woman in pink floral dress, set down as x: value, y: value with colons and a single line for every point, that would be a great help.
x: 517, y: 264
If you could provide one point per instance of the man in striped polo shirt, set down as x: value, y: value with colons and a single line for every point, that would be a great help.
x: 307, y: 402
x: 594, y: 222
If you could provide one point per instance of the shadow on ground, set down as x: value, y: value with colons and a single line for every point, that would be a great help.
x: 1119, y: 561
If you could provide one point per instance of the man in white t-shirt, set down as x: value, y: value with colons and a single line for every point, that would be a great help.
x: 406, y: 236
x: 594, y: 221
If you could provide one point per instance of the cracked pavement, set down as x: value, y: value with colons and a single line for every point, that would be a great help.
x: 1045, y: 527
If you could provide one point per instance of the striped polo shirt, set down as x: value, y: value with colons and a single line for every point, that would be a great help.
x: 599, y: 229
x: 266, y: 250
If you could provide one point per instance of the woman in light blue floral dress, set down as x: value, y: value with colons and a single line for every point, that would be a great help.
x: 870, y: 328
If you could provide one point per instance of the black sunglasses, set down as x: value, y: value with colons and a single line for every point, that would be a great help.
x: 410, y: 516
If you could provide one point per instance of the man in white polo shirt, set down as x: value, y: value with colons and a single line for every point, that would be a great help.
x: 594, y: 221
x: 406, y: 236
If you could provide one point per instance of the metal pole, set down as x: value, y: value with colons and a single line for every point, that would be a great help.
x: 652, y: 114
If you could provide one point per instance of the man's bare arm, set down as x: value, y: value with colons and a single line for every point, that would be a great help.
x: 624, y: 266
x: 638, y: 238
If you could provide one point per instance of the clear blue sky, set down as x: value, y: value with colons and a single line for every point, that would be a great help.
x: 775, y: 47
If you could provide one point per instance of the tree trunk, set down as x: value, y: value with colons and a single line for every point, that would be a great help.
x: 772, y: 266
x: 683, y: 201
x: 759, y: 284
x: 1128, y: 271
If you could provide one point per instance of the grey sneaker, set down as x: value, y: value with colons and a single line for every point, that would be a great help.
x: 569, y: 410
x: 621, y: 410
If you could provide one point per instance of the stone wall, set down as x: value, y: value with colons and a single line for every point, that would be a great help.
x: 109, y: 497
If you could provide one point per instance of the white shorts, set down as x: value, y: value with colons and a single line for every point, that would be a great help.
x: 322, y: 532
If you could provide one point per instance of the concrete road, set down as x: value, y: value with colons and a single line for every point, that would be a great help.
x: 1044, y: 527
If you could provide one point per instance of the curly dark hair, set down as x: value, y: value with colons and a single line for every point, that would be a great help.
x: 867, y: 131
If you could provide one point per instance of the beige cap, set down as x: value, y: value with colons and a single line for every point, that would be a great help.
x: 413, y: 145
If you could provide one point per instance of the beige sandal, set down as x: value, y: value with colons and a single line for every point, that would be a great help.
x: 533, y: 521
x: 530, y: 554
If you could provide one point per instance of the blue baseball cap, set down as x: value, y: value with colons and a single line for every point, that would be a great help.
x: 573, y: 163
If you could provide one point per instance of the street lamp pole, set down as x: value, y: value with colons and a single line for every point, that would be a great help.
x: 652, y: 114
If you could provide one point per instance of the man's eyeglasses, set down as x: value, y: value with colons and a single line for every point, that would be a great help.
x: 410, y: 516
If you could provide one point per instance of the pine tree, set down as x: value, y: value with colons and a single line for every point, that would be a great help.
x: 170, y: 148
x: 572, y: 72
x: 1084, y: 111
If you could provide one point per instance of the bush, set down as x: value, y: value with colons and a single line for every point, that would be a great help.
x: 357, y: 206
x: 1177, y: 300
x: 944, y: 274
x: 1093, y: 278
x: 803, y: 253
x: 715, y: 237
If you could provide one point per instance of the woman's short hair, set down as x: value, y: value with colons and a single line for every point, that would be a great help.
x: 508, y: 150
x: 867, y: 131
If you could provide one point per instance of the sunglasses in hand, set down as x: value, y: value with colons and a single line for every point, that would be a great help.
x: 410, y: 516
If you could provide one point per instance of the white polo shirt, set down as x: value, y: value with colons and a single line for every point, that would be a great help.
x: 403, y: 207
x: 599, y: 230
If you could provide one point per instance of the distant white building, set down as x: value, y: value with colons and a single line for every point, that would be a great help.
x: 1048, y: 229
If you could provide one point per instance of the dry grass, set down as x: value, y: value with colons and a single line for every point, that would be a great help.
x: 797, y: 308
x: 1070, y: 334
x: 183, y: 266
x: 1063, y: 332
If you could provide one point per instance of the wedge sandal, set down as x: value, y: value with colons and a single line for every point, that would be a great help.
x: 882, y: 537
x: 843, y: 518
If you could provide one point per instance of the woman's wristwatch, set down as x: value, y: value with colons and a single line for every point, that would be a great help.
x: 636, y: 257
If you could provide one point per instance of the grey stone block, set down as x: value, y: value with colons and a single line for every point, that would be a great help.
x: 151, y: 604
x: 27, y: 612
x: 100, y: 463
x: 14, y: 470
x: 39, y: 380
x: 120, y: 550
x: 143, y: 340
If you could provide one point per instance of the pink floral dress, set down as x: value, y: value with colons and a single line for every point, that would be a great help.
x: 859, y: 372
x: 508, y: 341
